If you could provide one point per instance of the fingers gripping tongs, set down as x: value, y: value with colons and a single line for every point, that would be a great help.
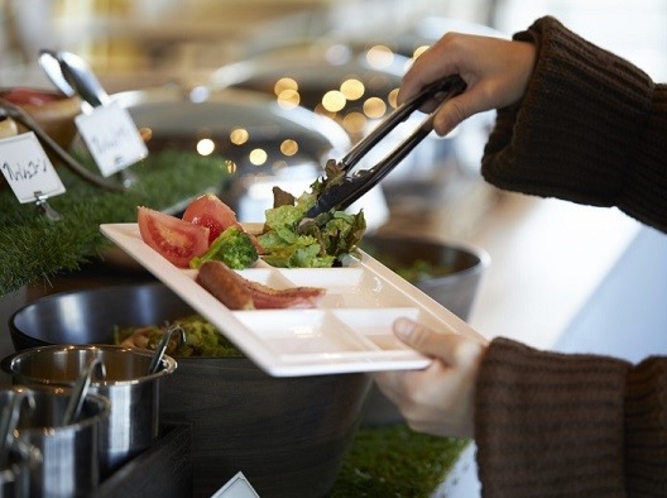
x: 353, y: 186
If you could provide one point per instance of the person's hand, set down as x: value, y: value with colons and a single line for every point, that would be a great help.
x: 495, y: 70
x: 438, y: 400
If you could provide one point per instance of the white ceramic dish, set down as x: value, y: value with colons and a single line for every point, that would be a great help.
x: 348, y: 331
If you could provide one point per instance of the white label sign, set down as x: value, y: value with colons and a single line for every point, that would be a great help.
x: 112, y: 138
x: 27, y: 168
x: 237, y: 487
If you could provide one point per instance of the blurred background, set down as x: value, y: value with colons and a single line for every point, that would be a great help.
x: 253, y: 44
x: 134, y: 43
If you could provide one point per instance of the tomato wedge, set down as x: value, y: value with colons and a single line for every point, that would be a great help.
x: 177, y: 240
x: 209, y: 211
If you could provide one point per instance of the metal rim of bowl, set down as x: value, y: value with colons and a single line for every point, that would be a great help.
x: 169, y: 363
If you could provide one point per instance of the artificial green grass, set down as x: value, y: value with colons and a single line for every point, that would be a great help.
x: 396, y: 462
x: 33, y: 248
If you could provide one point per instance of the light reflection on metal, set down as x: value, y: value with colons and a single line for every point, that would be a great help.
x: 352, y: 89
x: 392, y: 98
x: 285, y: 84
x: 380, y: 56
x: 230, y: 166
x: 205, y: 146
x: 338, y: 54
x: 375, y: 107
x: 354, y: 122
x: 239, y: 136
x: 289, y: 99
x: 319, y: 109
x: 334, y: 101
x: 146, y: 133
x: 289, y: 147
x: 258, y: 156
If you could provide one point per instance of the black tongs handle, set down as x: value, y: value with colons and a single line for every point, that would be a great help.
x: 342, y: 195
x: 440, y: 90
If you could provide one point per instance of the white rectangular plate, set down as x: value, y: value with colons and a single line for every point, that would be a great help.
x: 349, y: 330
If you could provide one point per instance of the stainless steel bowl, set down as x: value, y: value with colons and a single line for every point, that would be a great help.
x: 133, y: 423
x: 320, y: 74
x: 23, y: 461
x: 69, y: 454
x: 260, y: 142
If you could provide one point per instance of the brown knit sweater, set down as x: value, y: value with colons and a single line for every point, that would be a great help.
x: 592, y: 128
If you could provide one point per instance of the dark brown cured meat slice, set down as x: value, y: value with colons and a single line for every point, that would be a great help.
x: 239, y: 293
x: 226, y: 285
x: 266, y: 297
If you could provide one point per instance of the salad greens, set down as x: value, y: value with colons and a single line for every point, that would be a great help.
x: 201, y: 338
x: 291, y: 240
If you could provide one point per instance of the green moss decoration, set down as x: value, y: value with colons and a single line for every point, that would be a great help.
x: 395, y: 462
x: 33, y: 248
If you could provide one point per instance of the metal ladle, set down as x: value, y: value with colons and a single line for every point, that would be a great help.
x: 162, y: 346
x: 80, y: 391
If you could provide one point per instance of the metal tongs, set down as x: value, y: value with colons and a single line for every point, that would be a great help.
x: 342, y: 195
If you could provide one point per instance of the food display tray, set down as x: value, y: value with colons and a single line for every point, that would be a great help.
x: 349, y: 330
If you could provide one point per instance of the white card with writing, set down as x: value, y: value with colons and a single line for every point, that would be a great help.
x: 237, y: 487
x: 111, y: 137
x: 27, y: 168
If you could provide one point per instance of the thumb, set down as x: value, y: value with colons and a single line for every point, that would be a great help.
x: 451, y: 349
x: 454, y: 111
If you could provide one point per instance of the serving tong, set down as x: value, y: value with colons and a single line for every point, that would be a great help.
x: 353, y: 185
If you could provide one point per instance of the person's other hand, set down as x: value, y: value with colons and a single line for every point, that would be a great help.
x: 495, y: 70
x: 438, y: 400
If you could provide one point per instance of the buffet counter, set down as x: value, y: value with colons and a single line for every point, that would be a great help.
x: 548, y: 261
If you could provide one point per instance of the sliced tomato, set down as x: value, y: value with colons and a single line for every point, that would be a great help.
x: 177, y: 240
x: 209, y: 211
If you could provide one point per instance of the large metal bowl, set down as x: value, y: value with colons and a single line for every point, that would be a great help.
x: 263, y: 144
x: 287, y: 435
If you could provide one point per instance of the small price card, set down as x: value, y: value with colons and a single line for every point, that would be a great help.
x: 111, y: 137
x: 27, y: 168
x: 237, y: 487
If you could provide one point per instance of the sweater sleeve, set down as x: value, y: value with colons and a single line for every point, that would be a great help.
x: 550, y: 424
x: 591, y: 129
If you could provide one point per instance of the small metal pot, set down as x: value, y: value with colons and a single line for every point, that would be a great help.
x: 24, y: 460
x: 69, y: 453
x: 133, y: 424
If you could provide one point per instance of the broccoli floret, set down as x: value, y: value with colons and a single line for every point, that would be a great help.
x: 234, y: 247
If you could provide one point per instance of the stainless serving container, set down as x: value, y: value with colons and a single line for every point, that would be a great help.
x: 133, y: 423
x: 69, y: 465
x: 23, y: 461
